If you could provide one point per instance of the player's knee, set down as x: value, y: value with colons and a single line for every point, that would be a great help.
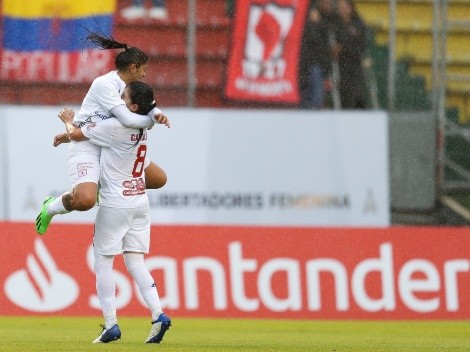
x: 156, y: 181
x: 162, y: 180
x: 85, y: 201
x: 83, y: 196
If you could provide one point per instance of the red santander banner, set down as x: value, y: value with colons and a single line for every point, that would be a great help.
x: 262, y: 272
x: 264, y: 57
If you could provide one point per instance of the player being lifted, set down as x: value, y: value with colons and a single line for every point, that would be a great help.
x: 103, y: 101
x: 122, y: 222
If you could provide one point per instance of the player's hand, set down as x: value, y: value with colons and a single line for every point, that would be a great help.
x: 161, y: 119
x: 61, y: 138
x: 66, y: 115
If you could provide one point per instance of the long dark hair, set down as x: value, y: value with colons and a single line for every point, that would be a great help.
x: 130, y: 55
x: 142, y: 95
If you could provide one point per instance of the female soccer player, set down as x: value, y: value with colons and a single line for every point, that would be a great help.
x: 103, y: 101
x: 122, y: 222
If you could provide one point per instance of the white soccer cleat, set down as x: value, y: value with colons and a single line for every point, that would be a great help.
x: 133, y: 12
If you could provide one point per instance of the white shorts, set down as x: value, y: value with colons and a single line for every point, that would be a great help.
x: 84, y: 162
x: 119, y: 230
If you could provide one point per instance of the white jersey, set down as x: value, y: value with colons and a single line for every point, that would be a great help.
x: 122, y: 163
x: 104, y: 94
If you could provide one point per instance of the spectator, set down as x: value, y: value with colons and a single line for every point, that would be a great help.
x: 138, y: 10
x: 316, y: 54
x: 353, y: 44
x: 230, y: 8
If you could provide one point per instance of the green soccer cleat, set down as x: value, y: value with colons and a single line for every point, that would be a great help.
x: 44, y: 219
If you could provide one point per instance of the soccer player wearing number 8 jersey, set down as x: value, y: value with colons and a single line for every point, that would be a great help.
x: 122, y: 222
x: 103, y: 101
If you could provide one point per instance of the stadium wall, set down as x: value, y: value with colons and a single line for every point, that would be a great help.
x: 224, y: 167
x: 235, y: 271
x: 265, y: 214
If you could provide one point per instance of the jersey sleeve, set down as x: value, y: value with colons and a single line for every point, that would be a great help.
x: 130, y: 119
x: 106, y: 94
x: 100, y: 133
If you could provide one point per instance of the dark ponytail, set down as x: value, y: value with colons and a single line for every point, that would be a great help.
x: 129, y: 56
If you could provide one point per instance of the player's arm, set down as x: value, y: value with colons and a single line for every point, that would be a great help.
x: 61, y: 138
x: 74, y: 133
x: 130, y: 119
x: 102, y: 133
x: 159, y: 117
x: 109, y: 98
x: 133, y: 120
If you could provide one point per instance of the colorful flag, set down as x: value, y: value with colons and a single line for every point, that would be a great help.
x: 263, y: 61
x: 43, y: 40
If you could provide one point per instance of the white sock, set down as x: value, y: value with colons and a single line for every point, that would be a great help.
x: 56, y: 207
x: 108, y: 306
x: 147, y: 287
x: 106, y: 288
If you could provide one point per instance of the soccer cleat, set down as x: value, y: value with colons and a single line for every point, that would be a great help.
x: 159, y: 328
x: 109, y: 335
x: 44, y: 219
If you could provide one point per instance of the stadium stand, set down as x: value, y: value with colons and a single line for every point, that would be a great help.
x: 414, y: 46
x: 165, y: 41
x: 414, y: 65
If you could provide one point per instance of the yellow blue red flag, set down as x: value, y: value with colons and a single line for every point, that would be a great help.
x: 43, y: 40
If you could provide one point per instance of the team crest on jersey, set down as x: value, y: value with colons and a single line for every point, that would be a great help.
x: 90, y: 126
x: 82, y: 168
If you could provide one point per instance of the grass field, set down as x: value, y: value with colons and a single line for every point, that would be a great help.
x: 196, y: 335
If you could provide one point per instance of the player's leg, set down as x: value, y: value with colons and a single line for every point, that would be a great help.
x: 84, y: 170
x: 160, y: 322
x: 82, y: 197
x: 155, y: 176
x: 110, y: 226
x: 106, y: 288
x: 135, y: 244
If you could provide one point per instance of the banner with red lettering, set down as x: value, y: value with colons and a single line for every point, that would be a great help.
x: 264, y: 57
x: 44, y: 40
x: 262, y: 272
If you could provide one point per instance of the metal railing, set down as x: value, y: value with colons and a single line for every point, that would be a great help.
x: 445, y: 127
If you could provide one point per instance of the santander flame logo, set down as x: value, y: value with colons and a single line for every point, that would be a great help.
x: 41, y: 286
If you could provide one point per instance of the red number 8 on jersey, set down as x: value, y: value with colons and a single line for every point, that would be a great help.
x: 139, y: 162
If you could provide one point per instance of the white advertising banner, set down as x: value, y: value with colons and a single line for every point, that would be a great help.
x: 225, y: 167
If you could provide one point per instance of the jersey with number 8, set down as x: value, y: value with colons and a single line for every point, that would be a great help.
x: 122, y: 163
